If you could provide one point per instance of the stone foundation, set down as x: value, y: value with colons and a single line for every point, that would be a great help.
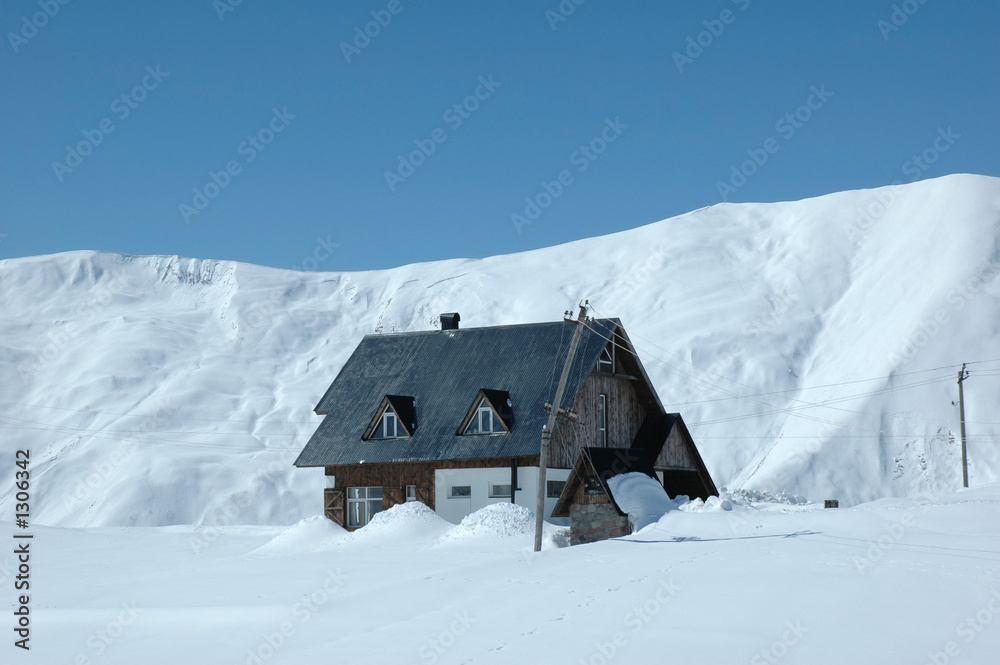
x: 591, y: 522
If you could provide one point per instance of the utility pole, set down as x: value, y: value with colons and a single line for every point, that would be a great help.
x: 963, y: 374
x: 550, y: 425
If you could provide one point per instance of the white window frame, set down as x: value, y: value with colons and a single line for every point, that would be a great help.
x: 452, y: 488
x: 602, y: 420
x: 411, y: 492
x: 365, y: 501
x: 484, y: 412
x: 495, y: 495
x: 389, y: 415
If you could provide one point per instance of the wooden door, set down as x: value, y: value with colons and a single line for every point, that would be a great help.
x: 425, y: 496
x: 391, y: 496
x: 333, y: 504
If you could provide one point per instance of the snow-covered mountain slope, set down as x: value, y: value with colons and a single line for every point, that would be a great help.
x: 800, y: 341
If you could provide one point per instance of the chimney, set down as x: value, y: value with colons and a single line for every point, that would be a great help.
x: 450, y: 321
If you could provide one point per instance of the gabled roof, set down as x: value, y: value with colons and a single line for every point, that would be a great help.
x: 603, y: 464
x: 444, y: 370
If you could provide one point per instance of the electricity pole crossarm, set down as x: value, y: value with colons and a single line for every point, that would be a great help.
x: 554, y: 413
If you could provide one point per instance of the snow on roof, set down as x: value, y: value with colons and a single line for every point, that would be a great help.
x: 641, y: 497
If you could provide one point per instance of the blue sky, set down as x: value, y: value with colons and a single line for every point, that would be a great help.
x: 280, y: 133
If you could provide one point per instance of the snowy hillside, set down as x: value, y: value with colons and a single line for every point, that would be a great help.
x: 795, y: 338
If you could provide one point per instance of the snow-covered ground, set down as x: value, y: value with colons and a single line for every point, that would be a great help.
x: 893, y: 581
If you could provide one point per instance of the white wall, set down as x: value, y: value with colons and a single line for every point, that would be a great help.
x: 454, y: 510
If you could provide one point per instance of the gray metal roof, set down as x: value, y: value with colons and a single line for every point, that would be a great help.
x: 444, y: 371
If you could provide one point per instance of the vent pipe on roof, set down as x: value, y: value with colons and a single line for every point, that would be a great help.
x: 450, y: 321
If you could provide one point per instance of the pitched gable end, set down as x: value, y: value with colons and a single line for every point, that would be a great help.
x: 498, y: 402
x: 400, y: 406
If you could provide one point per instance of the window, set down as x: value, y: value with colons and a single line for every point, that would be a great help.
x: 362, y: 504
x: 602, y: 420
x: 460, y: 492
x: 395, y: 418
x: 387, y: 426
x: 411, y: 492
x: 499, y: 490
x: 606, y: 363
x: 554, y: 488
x: 484, y: 421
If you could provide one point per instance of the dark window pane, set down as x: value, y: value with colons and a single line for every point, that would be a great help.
x: 554, y: 488
x: 473, y: 427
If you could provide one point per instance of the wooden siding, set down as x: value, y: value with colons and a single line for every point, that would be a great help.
x: 675, y: 453
x: 625, y: 415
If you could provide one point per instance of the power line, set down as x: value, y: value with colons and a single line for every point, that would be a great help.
x: 806, y: 404
x: 139, y: 415
x: 704, y: 383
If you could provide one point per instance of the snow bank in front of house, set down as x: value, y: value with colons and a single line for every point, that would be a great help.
x: 405, y: 523
x: 503, y: 520
x: 309, y: 535
x: 642, y: 497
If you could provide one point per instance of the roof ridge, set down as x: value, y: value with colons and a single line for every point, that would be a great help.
x: 462, y: 330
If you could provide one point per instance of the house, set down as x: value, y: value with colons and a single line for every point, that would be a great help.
x: 453, y: 418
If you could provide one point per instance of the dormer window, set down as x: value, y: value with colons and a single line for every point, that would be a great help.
x: 395, y: 418
x: 491, y: 413
x: 483, y: 422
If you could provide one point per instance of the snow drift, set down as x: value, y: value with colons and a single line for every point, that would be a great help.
x: 641, y: 497
x: 811, y: 347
